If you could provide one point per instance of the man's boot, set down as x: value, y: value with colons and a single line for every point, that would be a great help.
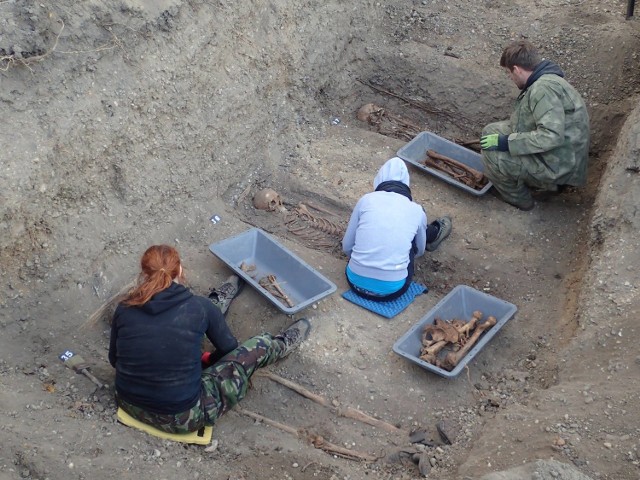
x: 294, y: 335
x: 225, y: 293
x: 524, y: 205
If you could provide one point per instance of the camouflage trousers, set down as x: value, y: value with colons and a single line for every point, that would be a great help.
x: 512, y: 176
x: 224, y: 384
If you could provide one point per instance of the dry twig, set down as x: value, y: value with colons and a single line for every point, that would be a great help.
x: 346, y: 412
x: 316, y: 440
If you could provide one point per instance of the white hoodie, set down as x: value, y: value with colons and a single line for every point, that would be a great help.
x: 382, y: 227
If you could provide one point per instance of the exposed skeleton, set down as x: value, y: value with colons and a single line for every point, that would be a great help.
x: 387, y: 123
x: 317, y: 231
x: 391, y: 125
x: 314, y: 229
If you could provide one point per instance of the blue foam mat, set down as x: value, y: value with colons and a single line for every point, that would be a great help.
x: 387, y: 309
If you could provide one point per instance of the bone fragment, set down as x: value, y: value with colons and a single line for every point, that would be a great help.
x: 467, y: 327
x: 438, y: 331
x: 430, y: 353
x: 477, y: 175
x: 270, y: 283
x: 247, y: 267
x: 453, y: 358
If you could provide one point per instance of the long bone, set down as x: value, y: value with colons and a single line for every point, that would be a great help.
x: 453, y: 358
x: 430, y: 354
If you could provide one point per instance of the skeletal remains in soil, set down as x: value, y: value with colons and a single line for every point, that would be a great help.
x: 268, y: 199
x: 455, y: 169
x: 391, y: 125
x: 316, y: 230
x: 455, y: 337
x: 387, y: 123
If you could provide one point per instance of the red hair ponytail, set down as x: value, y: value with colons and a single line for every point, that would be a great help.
x: 160, y: 264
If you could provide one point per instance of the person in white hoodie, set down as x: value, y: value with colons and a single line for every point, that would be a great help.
x: 386, y: 231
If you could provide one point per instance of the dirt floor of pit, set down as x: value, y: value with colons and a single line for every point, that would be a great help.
x: 134, y: 123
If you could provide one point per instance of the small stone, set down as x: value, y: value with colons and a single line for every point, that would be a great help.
x: 295, y: 465
x: 607, y: 445
x: 448, y: 431
x: 212, y: 447
x: 424, y: 464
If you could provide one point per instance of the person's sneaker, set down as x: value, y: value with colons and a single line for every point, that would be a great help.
x: 444, y: 224
x: 294, y: 335
x: 225, y: 293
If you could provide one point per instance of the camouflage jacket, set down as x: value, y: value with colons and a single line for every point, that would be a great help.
x: 551, y: 123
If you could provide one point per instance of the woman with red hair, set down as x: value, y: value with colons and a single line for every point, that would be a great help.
x: 162, y: 378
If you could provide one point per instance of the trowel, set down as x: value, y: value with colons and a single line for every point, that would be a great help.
x: 79, y: 365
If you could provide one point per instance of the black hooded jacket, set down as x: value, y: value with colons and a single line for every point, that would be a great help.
x: 546, y: 67
x: 156, y: 348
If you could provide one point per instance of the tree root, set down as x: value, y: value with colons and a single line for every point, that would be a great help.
x: 346, y: 412
x: 316, y: 440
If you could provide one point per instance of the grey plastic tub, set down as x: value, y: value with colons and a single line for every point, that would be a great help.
x: 415, y: 153
x: 300, y: 282
x: 460, y: 303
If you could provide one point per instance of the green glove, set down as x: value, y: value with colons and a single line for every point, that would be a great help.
x: 495, y: 141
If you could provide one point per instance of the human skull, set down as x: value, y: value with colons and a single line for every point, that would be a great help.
x: 268, y: 199
x: 368, y: 112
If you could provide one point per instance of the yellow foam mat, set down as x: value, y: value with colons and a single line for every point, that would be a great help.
x: 201, y: 437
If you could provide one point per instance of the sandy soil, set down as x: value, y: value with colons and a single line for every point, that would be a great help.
x: 132, y: 123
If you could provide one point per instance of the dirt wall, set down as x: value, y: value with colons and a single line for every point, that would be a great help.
x: 132, y: 123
